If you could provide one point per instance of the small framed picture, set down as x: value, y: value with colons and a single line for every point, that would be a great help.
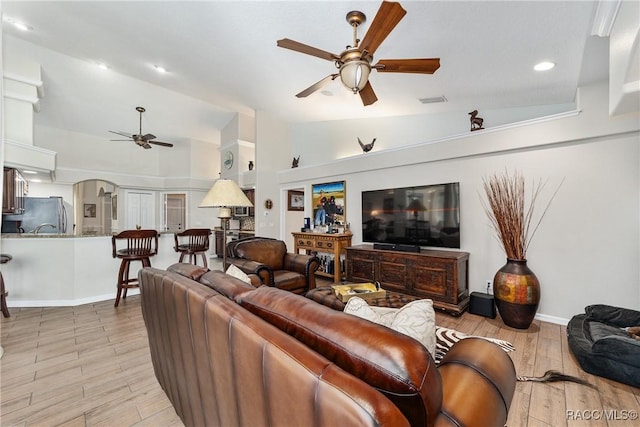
x: 89, y: 210
x: 296, y: 200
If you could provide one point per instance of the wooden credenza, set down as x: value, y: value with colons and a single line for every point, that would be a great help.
x: 334, y: 244
x: 441, y: 276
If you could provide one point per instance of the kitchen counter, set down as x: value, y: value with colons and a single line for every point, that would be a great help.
x: 47, y: 235
x: 61, y: 236
x: 67, y: 269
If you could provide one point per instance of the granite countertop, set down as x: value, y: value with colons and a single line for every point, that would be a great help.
x: 63, y: 236
x: 48, y: 235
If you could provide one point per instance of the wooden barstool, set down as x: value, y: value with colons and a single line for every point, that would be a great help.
x: 141, y: 245
x: 192, y: 242
x: 4, y: 258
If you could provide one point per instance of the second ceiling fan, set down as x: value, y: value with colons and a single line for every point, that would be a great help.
x: 355, y: 62
x: 143, y: 141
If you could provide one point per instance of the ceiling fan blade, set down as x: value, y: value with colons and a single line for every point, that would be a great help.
x: 128, y: 135
x: 367, y: 95
x: 148, y: 137
x: 164, y: 144
x: 309, y: 50
x: 145, y: 145
x: 423, y: 65
x: 314, y: 87
x: 388, y: 16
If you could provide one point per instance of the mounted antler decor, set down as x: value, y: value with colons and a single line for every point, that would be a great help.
x: 476, y: 122
x: 367, y: 147
x: 295, y: 162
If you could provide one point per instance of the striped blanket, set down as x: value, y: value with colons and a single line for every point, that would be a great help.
x: 446, y: 338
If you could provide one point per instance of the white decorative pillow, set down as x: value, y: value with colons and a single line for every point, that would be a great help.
x: 416, y: 319
x: 238, y: 274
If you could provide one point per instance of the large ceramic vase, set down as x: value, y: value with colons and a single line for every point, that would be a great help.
x: 517, y: 293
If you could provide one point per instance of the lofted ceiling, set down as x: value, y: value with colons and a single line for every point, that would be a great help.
x: 224, y: 53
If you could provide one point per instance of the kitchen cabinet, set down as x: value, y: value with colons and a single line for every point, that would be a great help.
x: 15, y: 188
x: 251, y: 195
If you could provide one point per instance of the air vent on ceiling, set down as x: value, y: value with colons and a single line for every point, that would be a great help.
x: 433, y: 100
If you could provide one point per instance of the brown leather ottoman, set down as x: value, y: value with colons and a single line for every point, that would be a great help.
x: 324, y: 295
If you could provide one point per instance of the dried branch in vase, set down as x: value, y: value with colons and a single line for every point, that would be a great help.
x: 509, y: 214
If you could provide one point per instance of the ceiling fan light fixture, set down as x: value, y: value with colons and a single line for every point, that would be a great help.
x: 355, y: 74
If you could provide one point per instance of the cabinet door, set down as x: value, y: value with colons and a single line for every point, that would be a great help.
x: 13, y: 191
x: 433, y: 279
x: 361, y: 266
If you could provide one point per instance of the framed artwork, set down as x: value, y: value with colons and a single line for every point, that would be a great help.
x: 329, y: 203
x: 296, y: 200
x: 89, y: 210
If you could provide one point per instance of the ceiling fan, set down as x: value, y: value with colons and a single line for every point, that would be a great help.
x: 355, y: 62
x: 140, y: 139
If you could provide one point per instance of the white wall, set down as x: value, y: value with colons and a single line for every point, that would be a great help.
x: 588, y: 246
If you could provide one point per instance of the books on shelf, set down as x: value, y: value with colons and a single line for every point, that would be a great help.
x: 365, y: 291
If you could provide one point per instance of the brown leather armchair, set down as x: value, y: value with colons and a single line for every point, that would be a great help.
x: 269, y: 260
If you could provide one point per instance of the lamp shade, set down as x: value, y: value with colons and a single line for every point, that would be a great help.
x: 355, y: 74
x: 416, y: 205
x: 225, y: 193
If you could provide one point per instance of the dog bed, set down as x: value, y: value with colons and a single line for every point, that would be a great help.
x: 602, y: 344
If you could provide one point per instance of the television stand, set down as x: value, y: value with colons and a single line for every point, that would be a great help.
x: 442, y: 276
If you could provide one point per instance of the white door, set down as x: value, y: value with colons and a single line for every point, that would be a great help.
x: 140, y: 210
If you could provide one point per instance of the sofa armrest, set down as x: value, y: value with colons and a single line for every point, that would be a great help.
x: 303, y: 264
x: 478, y: 383
x: 263, y: 271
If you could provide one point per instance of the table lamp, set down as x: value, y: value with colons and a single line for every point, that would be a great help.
x: 225, y: 194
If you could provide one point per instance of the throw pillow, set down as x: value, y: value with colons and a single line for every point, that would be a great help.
x: 416, y: 319
x: 238, y: 274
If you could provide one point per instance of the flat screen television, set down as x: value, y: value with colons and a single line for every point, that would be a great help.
x: 427, y: 215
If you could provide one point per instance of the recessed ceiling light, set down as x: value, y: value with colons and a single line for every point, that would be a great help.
x: 544, y: 66
x: 103, y: 66
x: 160, y: 69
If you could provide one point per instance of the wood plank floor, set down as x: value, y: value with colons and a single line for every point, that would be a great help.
x: 90, y: 366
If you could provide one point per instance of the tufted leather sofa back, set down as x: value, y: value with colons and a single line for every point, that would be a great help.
x: 221, y: 365
x: 400, y: 367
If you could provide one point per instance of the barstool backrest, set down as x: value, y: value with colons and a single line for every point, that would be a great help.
x: 196, y: 239
x: 139, y: 243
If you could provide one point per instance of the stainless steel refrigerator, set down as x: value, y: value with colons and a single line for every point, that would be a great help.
x: 47, y: 215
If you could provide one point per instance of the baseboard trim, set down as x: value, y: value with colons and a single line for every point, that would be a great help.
x: 66, y: 303
x: 552, y: 319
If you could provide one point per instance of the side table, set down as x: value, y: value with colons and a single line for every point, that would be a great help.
x: 334, y: 244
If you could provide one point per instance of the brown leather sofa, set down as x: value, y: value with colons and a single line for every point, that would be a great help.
x: 229, y: 354
x: 268, y: 259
